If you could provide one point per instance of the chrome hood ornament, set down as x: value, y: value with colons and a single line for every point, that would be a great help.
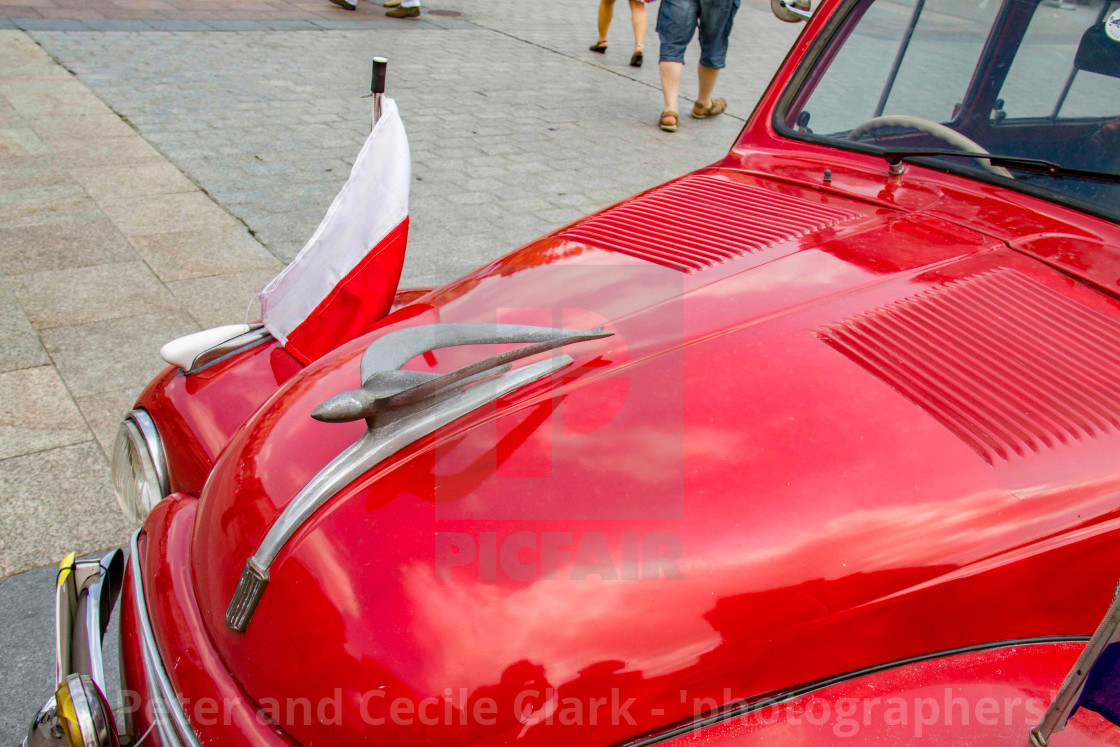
x: 400, y: 407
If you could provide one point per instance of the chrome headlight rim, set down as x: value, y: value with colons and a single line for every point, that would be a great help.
x: 138, y: 443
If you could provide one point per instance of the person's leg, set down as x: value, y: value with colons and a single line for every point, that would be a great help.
x: 407, y: 9
x: 706, y: 77
x: 638, y: 18
x: 671, y: 83
x: 676, y: 23
x: 716, y: 20
x: 606, y: 14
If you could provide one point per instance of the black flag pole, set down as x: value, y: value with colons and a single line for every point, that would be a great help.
x: 377, y: 85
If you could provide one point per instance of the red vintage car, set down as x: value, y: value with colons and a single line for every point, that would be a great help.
x: 799, y: 447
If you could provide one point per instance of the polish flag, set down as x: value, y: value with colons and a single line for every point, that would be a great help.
x: 344, y: 278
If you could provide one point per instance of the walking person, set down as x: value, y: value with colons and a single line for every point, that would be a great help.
x: 400, y: 8
x: 637, y: 18
x: 677, y: 21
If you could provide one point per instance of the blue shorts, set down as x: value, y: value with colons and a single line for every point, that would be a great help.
x: 677, y: 21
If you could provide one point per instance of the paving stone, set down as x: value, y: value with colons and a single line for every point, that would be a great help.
x: 33, y: 204
x: 75, y: 240
x: 192, y: 254
x: 93, y: 127
x: 166, y: 213
x: 118, y: 24
x: 116, y: 354
x: 223, y: 299
x: 108, y: 151
x: 19, y: 343
x: 37, y: 413
x: 134, y: 180
x: 65, y: 298
x: 21, y: 141
x: 50, y: 96
x: 104, y: 413
x: 66, y: 489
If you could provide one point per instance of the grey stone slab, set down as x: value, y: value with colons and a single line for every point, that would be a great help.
x: 104, y: 413
x: 27, y: 667
x: 71, y: 240
x: 236, y: 25
x: 37, y: 413
x: 108, y: 151
x: 178, y: 25
x: 119, y: 24
x: 188, y: 211
x: 30, y: 172
x: 133, y: 180
x: 94, y: 127
x: 290, y: 25
x: 21, y: 140
x: 49, y: 24
x: 116, y: 354
x: 67, y: 298
x: 184, y: 255
x: 52, y: 502
x: 19, y: 343
x: 222, y: 299
x: 33, y: 205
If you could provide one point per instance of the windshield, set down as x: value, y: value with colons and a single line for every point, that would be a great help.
x: 1020, y: 78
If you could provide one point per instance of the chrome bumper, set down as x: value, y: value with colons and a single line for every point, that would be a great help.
x: 85, y: 595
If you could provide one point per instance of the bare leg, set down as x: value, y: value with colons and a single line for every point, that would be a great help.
x: 671, y: 83
x: 638, y: 17
x: 606, y: 13
x: 706, y: 76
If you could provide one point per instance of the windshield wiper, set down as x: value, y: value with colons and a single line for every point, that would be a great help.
x: 1033, y: 165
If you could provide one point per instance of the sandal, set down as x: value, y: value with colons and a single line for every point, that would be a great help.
x: 718, y: 106
x: 669, y: 126
x: 636, y: 60
x: 599, y: 47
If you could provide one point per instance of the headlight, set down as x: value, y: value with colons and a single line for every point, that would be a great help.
x: 77, y: 715
x: 139, y: 468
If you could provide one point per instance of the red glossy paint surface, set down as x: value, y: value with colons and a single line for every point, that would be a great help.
x: 219, y: 711
x: 822, y: 514
x: 985, y: 698
x: 196, y: 415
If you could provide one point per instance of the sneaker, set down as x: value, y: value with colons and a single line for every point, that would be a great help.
x: 346, y: 5
x: 391, y: 3
x: 403, y: 13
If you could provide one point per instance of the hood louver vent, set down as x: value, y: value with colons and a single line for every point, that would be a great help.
x: 1008, y: 365
x: 699, y: 221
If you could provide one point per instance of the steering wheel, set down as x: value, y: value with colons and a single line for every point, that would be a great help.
x: 939, y: 131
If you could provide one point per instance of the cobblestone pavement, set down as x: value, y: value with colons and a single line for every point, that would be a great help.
x: 182, y: 15
x: 511, y: 135
x: 156, y: 189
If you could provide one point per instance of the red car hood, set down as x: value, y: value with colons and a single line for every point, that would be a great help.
x: 754, y: 483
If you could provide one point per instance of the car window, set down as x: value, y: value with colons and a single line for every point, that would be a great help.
x: 935, y: 62
x: 1036, y: 84
x: 1022, y: 79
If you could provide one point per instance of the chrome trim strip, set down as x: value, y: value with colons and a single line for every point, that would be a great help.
x: 735, y: 710
x: 256, y: 335
x: 165, y: 703
x: 399, y: 408
x: 154, y: 444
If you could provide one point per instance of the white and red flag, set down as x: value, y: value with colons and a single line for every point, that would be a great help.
x: 344, y: 278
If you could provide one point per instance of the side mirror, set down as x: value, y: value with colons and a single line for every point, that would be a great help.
x: 791, y: 11
x: 1099, y: 50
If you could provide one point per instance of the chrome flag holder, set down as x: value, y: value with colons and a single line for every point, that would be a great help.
x: 377, y: 85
